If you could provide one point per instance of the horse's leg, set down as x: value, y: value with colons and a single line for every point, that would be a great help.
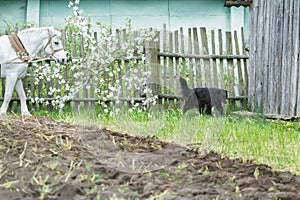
x: 10, y: 84
x: 22, y: 96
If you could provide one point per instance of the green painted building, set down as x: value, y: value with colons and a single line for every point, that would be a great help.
x: 143, y: 13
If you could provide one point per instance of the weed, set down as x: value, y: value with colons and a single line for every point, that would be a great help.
x: 238, y: 191
x: 9, y: 185
x: 44, y: 187
x: 256, y: 173
x: 175, y: 177
x: 63, y: 142
x: 182, y: 166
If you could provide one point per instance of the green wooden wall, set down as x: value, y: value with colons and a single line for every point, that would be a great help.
x: 143, y: 13
x: 12, y: 11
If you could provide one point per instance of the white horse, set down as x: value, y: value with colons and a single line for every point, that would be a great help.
x: 14, y: 68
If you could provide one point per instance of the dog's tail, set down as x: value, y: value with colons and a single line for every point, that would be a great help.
x: 184, y: 87
x: 183, y: 84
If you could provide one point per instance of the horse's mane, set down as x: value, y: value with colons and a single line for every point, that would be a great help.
x: 40, y: 29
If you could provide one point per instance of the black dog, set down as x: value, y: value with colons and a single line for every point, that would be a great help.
x: 203, y: 98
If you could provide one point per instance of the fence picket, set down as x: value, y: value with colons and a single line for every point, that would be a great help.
x: 245, y: 62
x: 190, y: 60
x: 206, y: 62
x: 197, y: 61
x: 214, y: 61
x: 177, y: 62
x: 171, y: 69
x: 239, y: 65
x: 74, y: 54
x: 221, y: 67
x: 230, y: 66
x: 183, y: 61
x: 164, y: 62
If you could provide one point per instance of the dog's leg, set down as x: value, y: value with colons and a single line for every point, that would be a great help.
x: 188, y: 104
x: 208, y: 109
x: 220, y: 109
x: 185, y: 108
x: 201, y: 108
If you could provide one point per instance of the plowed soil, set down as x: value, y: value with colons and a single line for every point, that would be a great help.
x: 44, y: 159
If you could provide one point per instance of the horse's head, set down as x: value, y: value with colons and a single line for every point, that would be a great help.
x: 54, y: 46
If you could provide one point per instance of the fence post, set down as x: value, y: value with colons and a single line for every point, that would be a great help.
x: 152, y: 63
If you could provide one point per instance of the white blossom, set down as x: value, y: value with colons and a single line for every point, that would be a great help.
x: 100, y: 63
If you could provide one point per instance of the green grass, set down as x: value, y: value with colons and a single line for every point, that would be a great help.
x: 274, y: 143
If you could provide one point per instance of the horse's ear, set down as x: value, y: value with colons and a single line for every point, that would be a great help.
x: 58, y: 33
x: 53, y: 30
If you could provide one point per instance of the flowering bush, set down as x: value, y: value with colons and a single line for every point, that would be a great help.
x: 111, y: 62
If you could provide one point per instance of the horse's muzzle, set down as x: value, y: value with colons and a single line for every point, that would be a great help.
x: 62, y: 61
x: 60, y: 57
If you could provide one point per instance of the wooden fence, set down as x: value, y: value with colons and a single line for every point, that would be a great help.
x: 274, y: 87
x: 205, y: 58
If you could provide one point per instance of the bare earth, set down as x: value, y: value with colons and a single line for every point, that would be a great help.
x: 44, y: 159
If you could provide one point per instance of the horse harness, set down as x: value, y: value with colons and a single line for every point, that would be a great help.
x: 23, y: 54
x: 51, y: 46
x: 18, y: 46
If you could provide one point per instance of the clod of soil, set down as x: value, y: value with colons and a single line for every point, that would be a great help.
x: 45, y: 159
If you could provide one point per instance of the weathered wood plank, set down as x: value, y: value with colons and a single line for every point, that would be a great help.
x: 158, y: 68
x: 271, y: 63
x: 165, y: 59
x: 221, y: 68
x: 285, y: 68
x: 74, y: 54
x: 278, y: 48
x: 245, y: 61
x: 239, y: 65
x: 205, y: 51
x: 92, y: 84
x: 266, y: 68
x: 196, y: 49
x: 290, y: 49
x: 171, y: 69
x: 252, y: 55
x: 190, y: 60
x: 82, y: 55
x: 214, y: 61
x: 230, y: 66
x: 196, y: 56
x: 182, y: 50
x: 258, y: 73
x: 177, y: 63
x: 296, y: 56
